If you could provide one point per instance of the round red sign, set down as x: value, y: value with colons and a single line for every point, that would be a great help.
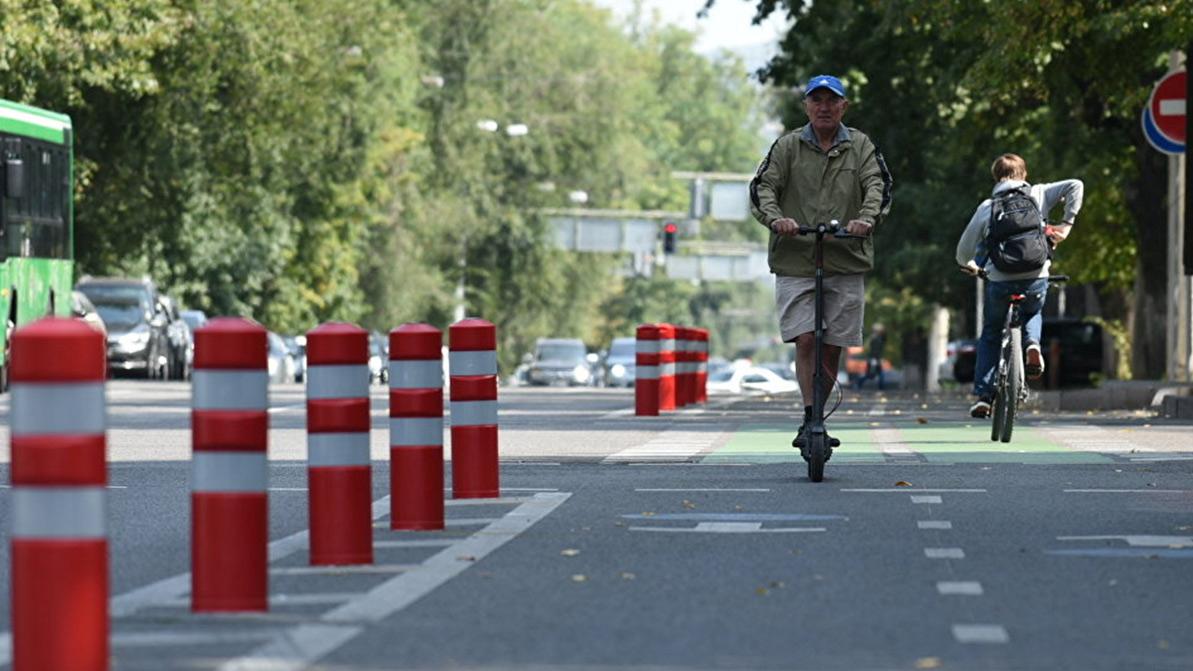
x: 1168, y: 106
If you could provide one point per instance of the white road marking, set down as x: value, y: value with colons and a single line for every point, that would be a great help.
x: 296, y: 648
x: 934, y: 524
x: 944, y: 553
x: 510, y: 500
x: 696, y: 489
x: 1161, y: 457
x: 925, y: 499
x: 730, y: 528
x: 966, y: 588
x: 908, y: 490
x: 1128, y: 491
x: 891, y: 441
x: 287, y: 489
x: 428, y: 543
x: 345, y: 569
x: 669, y: 446
x: 291, y: 600
x: 1139, y: 541
x: 153, y: 639
x: 980, y: 633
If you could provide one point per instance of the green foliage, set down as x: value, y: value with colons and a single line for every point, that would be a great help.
x: 298, y: 161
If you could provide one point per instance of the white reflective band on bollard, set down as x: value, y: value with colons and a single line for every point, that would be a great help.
x: 668, y: 370
x: 474, y: 413
x: 75, y: 407
x: 338, y: 449
x: 58, y: 512
x: 667, y: 345
x: 231, y: 390
x: 228, y: 472
x: 415, y: 431
x: 647, y: 372
x: 341, y: 381
x: 483, y: 362
x: 416, y: 374
x: 647, y: 347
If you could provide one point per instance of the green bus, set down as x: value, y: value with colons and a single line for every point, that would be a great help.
x: 36, y: 218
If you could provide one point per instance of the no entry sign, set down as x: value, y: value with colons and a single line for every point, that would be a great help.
x: 1164, y: 115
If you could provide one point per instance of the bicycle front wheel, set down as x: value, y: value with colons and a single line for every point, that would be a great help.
x: 1014, y: 384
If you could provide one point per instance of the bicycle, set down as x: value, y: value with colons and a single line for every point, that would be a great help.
x: 818, y: 444
x: 1010, y: 384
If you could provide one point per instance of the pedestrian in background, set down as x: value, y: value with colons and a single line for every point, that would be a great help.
x: 874, y: 360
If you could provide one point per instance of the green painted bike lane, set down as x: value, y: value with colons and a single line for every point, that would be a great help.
x: 945, y: 443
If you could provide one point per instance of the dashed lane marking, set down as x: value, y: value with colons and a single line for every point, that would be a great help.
x: 934, y: 524
x: 731, y: 528
x: 944, y: 553
x: 925, y: 499
x: 905, y: 490
x: 980, y: 633
x: 670, y: 446
x: 961, y: 587
x: 697, y: 489
x: 1128, y: 491
x: 1144, y: 541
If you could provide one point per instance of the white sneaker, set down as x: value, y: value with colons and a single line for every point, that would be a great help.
x: 1034, y: 365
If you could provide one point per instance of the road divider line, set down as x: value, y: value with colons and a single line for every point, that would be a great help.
x: 508, y: 500
x: 960, y: 587
x: 944, y: 553
x: 980, y: 633
x: 1128, y: 491
x: 730, y: 528
x: 906, y: 490
x: 934, y: 524
x: 298, y: 647
x: 926, y: 499
x: 427, y: 543
x: 699, y: 489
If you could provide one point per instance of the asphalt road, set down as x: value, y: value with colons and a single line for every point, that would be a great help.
x: 689, y: 541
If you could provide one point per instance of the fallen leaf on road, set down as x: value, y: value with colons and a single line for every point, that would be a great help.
x: 921, y: 420
x: 570, y: 552
x: 902, y: 483
x: 579, y: 577
x: 927, y: 663
x: 688, y: 504
x: 648, y: 514
x: 762, y: 591
x: 466, y: 558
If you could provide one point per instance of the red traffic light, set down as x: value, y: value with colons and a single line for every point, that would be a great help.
x: 670, y: 227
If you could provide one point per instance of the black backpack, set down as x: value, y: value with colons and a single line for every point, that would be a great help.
x: 1016, y: 241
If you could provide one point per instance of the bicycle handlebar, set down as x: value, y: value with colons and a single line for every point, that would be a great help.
x: 1058, y: 279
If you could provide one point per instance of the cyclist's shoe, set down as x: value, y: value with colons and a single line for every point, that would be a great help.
x: 981, y: 409
x: 1034, y: 365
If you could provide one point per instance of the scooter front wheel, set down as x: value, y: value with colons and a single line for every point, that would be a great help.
x: 817, y: 455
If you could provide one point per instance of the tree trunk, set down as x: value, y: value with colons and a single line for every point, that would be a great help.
x: 1147, y: 200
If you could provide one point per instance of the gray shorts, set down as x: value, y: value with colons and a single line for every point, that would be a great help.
x: 844, y: 307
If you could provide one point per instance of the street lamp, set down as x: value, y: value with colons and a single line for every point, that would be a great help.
x: 516, y: 130
x: 487, y: 125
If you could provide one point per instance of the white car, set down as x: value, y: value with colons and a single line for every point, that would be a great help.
x: 749, y: 380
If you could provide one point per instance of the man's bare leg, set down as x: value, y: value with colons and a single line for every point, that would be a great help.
x: 805, y: 361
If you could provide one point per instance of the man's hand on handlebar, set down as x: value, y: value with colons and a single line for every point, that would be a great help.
x: 859, y: 228
x: 784, y: 226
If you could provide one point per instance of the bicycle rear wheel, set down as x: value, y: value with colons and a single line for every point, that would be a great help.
x: 1014, y: 384
x: 817, y: 455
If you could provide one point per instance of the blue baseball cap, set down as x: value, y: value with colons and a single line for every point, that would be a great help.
x: 824, y: 82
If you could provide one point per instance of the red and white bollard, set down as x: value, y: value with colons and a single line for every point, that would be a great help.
x: 685, y: 384
x: 59, y: 474
x: 230, y: 427
x: 646, y: 371
x: 701, y: 365
x: 666, y: 367
x: 339, y: 473
x: 416, y: 427
x: 473, y: 368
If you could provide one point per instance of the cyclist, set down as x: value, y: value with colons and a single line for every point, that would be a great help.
x: 1010, y: 233
x: 820, y: 172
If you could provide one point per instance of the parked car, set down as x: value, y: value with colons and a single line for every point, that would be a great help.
x: 194, y: 320
x: 749, y: 380
x: 138, y: 337
x: 378, y: 359
x: 281, y: 365
x: 618, y: 367
x: 297, y: 344
x: 561, y: 361
x: 1081, y: 350
x: 783, y: 370
x: 81, y: 308
x: 960, y: 358
x: 181, y: 341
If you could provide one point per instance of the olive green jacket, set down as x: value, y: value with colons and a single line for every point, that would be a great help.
x: 797, y: 179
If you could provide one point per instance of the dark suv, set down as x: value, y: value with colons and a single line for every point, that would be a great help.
x: 138, y: 327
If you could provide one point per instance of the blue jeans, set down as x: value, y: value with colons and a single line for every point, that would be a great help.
x: 994, y: 316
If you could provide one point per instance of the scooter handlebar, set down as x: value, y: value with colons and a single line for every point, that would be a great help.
x: 833, y: 228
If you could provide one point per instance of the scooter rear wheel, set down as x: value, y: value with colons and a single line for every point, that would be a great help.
x: 817, y: 455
